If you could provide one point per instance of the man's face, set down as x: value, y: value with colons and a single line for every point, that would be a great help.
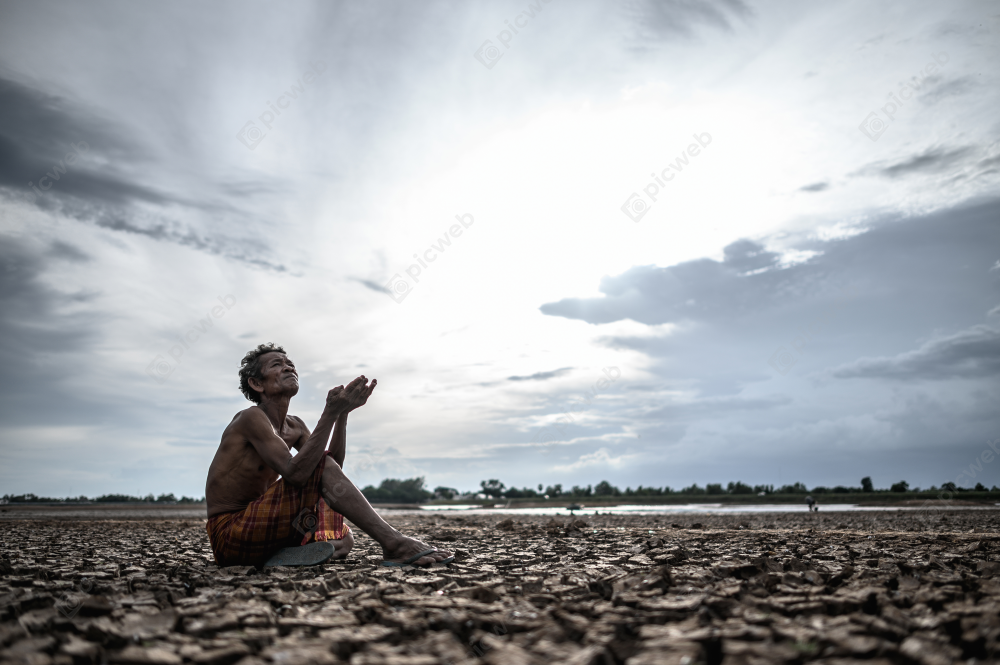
x: 280, y: 377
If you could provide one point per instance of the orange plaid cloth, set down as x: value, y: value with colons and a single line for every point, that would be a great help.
x: 284, y: 516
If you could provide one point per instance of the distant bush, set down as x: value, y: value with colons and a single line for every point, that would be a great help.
x: 392, y: 490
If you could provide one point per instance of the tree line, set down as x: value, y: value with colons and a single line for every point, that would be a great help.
x: 104, y: 498
x: 413, y: 491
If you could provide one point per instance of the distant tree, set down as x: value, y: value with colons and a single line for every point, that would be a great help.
x: 539, y: 487
x: 492, y: 487
x: 797, y: 488
x: 694, y: 489
x: 901, y: 486
x: 604, y: 488
x: 392, y: 490
x: 581, y: 491
x: 980, y: 487
x: 738, y: 488
x: 763, y: 489
x: 840, y: 489
x: 445, y: 492
x: 554, y: 490
x: 866, y: 484
x: 714, y: 489
x: 948, y: 486
x: 166, y: 498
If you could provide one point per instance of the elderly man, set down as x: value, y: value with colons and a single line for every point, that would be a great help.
x: 267, y: 506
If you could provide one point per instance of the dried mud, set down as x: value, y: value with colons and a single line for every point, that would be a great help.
x: 877, y: 587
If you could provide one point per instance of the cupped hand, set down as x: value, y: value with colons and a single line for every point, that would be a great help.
x: 349, y: 397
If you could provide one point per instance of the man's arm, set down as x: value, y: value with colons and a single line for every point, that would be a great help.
x: 296, y: 469
x: 338, y: 444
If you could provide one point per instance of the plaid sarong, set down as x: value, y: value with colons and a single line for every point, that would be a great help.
x: 284, y: 516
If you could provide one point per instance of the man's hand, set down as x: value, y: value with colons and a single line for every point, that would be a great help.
x: 345, y: 399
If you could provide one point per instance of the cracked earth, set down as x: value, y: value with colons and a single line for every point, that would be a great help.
x: 878, y: 587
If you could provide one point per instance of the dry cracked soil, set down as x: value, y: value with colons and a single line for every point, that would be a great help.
x: 879, y: 587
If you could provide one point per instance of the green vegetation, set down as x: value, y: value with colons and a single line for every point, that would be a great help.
x: 391, y: 490
x: 412, y: 490
x: 104, y: 498
x: 604, y: 493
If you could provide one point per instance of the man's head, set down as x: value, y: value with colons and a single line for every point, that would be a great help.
x: 267, y: 370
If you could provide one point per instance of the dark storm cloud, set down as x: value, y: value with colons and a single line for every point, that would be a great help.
x: 869, y: 291
x: 970, y: 353
x: 42, y: 333
x: 700, y: 289
x: 38, y: 130
x: 78, y: 165
x: 542, y: 376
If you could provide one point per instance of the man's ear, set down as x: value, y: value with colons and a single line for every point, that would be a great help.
x: 255, y: 384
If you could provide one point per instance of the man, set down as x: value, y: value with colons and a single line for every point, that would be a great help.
x: 256, y: 517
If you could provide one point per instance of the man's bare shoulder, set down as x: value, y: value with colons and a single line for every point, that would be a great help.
x: 251, y: 418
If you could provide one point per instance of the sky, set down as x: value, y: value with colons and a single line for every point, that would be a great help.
x: 654, y: 243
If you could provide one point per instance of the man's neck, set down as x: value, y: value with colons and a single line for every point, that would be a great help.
x: 276, y: 409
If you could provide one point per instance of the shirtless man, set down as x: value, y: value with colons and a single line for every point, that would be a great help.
x: 262, y: 498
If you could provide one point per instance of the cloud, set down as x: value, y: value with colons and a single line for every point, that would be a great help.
x: 758, y: 288
x: 952, y: 88
x: 815, y: 187
x: 971, y: 353
x: 541, y: 376
x: 932, y: 160
x: 660, y: 19
x: 41, y: 329
x: 601, y: 457
x: 372, y: 285
x: 97, y: 172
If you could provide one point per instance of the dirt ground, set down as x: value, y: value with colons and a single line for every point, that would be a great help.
x: 879, y: 587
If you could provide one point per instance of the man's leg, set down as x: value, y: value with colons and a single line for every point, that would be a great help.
x: 341, y: 495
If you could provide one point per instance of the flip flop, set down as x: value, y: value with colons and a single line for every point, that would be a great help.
x: 416, y: 557
x: 312, y: 554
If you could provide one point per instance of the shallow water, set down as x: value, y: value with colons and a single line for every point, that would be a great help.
x: 689, y: 508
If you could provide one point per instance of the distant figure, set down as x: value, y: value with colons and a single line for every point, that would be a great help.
x: 811, y: 503
x: 265, y: 502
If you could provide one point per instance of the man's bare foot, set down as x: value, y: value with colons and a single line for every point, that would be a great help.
x: 342, y: 547
x: 407, y: 548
